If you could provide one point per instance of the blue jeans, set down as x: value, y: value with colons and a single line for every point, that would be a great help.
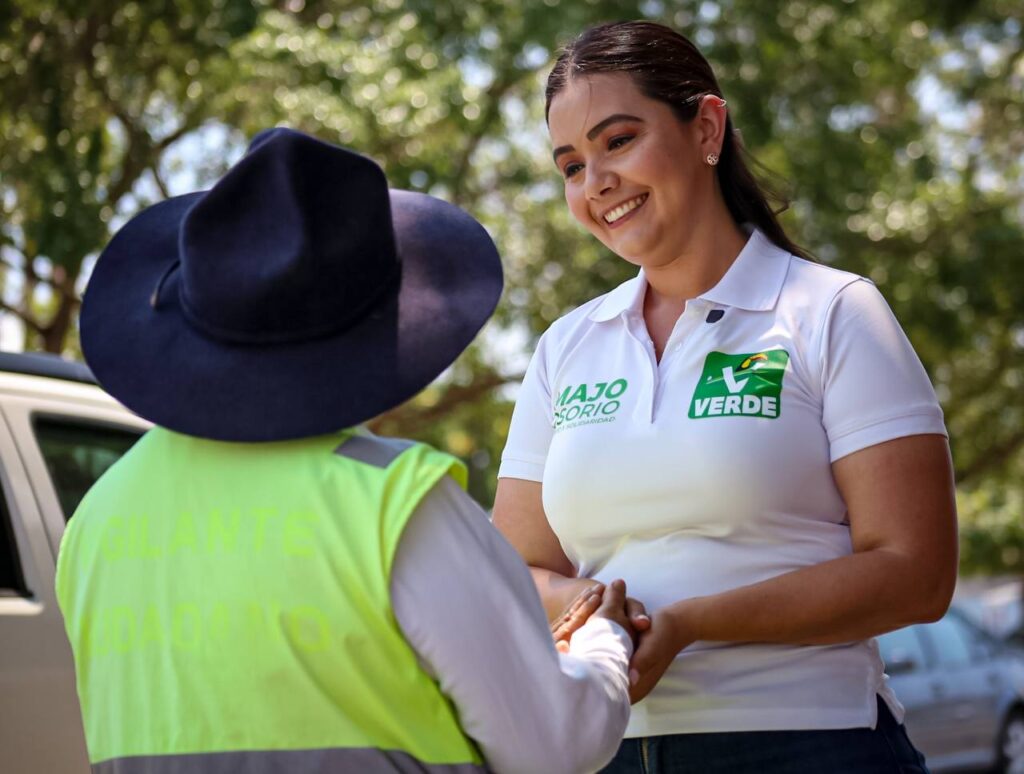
x: 884, y: 750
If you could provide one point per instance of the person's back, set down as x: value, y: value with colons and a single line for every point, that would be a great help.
x: 256, y: 586
x: 238, y: 594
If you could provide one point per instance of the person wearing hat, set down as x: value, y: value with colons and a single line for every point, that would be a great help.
x: 260, y: 585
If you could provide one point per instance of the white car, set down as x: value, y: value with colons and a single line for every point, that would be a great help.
x: 964, y: 694
x: 58, y: 433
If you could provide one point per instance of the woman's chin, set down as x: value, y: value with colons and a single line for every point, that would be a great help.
x: 637, y: 251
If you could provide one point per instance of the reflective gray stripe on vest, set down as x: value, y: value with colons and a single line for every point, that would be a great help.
x: 353, y: 759
x: 379, y: 452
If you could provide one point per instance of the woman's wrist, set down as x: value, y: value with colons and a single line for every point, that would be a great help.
x: 684, y: 617
x: 557, y: 591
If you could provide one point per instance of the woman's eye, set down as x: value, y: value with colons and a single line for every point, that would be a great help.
x: 571, y: 169
x: 618, y: 142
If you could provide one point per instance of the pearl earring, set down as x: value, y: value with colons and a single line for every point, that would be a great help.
x: 712, y: 159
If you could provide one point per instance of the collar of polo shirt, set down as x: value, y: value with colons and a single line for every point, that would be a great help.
x: 753, y: 282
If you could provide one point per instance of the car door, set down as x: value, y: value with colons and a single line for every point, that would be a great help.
x: 50, y: 453
x: 985, y: 684
x: 961, y: 690
x: 906, y: 664
x: 40, y: 724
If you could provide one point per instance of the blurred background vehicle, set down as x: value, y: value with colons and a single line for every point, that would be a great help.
x: 963, y: 690
x: 58, y: 433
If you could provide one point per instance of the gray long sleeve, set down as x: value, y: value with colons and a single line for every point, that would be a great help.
x: 467, y: 604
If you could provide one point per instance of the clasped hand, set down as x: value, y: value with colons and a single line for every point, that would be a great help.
x: 656, y: 641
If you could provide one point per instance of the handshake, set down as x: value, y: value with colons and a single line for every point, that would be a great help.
x: 656, y: 641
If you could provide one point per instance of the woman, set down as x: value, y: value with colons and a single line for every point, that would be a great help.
x: 745, y: 436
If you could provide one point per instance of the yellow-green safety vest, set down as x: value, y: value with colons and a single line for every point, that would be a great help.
x: 228, y: 607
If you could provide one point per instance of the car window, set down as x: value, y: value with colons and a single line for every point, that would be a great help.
x: 12, y: 581
x: 948, y: 643
x: 980, y: 644
x: 77, y: 453
x: 902, y: 647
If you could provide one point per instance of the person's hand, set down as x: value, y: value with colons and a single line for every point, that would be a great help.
x: 638, y: 618
x: 627, y: 612
x: 575, y: 615
x: 659, y: 645
x: 613, y: 606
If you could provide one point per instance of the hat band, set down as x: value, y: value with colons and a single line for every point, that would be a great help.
x: 235, y: 336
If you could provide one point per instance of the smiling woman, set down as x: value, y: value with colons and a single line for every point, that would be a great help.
x: 771, y: 500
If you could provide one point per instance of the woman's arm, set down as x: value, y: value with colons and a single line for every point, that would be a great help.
x: 519, y: 516
x: 902, y: 511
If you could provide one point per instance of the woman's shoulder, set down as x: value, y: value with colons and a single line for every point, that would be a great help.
x: 819, y: 279
x: 816, y: 291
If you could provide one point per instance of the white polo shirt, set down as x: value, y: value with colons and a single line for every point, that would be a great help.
x: 711, y: 469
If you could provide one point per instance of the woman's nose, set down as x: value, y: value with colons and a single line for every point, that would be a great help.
x: 600, y: 180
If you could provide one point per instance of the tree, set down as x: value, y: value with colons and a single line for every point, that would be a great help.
x: 92, y: 98
x: 897, y: 125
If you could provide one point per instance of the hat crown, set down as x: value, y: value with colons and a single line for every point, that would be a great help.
x: 264, y: 260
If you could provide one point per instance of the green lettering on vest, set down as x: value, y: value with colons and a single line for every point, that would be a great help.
x: 115, y: 539
x: 222, y: 530
x: 261, y: 517
x: 184, y: 538
x: 299, y: 537
x: 153, y: 631
x: 308, y: 628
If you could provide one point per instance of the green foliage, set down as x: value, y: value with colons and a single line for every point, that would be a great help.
x: 896, y: 125
x: 92, y: 95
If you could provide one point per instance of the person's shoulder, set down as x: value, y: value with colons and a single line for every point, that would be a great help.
x: 811, y: 285
x: 820, y: 276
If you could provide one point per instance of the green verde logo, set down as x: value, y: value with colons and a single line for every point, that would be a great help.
x: 740, y: 385
x: 587, y: 404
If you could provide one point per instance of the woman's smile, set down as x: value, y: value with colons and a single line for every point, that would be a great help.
x: 615, y: 217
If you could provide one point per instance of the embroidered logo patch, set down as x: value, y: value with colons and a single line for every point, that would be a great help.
x: 740, y: 385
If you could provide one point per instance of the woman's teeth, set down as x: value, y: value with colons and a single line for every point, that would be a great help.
x: 624, y: 209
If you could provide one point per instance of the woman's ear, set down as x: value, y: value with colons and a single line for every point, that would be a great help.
x: 711, y: 122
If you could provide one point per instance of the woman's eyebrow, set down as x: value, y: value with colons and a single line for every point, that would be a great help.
x: 595, y: 130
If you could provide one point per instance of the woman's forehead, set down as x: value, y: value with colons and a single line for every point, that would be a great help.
x: 587, y: 100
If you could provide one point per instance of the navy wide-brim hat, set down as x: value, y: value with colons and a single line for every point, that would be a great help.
x: 296, y: 297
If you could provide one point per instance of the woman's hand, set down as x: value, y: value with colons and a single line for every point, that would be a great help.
x: 667, y: 634
x: 630, y: 613
x: 579, y: 611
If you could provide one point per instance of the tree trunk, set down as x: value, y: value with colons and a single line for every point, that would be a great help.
x: 55, y: 334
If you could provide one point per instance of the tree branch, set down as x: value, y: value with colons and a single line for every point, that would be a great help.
x: 410, y: 417
x: 991, y: 458
x: 187, y: 125
x: 981, y: 386
x: 160, y: 182
x: 8, y: 265
x: 495, y: 94
x: 24, y: 315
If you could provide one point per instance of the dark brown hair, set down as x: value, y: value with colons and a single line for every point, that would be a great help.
x: 667, y: 67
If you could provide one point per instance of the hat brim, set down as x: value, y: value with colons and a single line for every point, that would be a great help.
x: 164, y: 369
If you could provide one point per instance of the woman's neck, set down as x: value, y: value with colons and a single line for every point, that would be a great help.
x: 701, y: 264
